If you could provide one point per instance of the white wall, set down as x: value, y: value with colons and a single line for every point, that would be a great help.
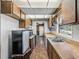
x: 7, y: 24
x: 46, y: 26
x: 34, y: 23
x: 34, y: 27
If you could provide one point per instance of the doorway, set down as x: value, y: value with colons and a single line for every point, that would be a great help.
x: 40, y: 33
x: 40, y: 29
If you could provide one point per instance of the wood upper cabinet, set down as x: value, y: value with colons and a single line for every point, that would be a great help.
x: 50, y: 22
x: 49, y: 49
x: 22, y: 23
x: 23, y: 15
x: 25, y: 23
x: 53, y: 18
x: 28, y: 22
x: 0, y: 6
x: 68, y: 11
x: 11, y: 9
x: 77, y: 9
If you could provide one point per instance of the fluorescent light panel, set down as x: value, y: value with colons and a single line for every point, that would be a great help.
x: 38, y: 16
x: 23, y: 0
x: 53, y: 0
x: 37, y: 0
x: 37, y: 3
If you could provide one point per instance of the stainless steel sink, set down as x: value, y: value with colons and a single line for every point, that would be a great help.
x: 58, y: 39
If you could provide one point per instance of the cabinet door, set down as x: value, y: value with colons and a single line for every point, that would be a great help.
x: 0, y: 6
x: 10, y: 8
x: 6, y: 7
x: 16, y: 10
x: 68, y: 11
x: 49, y: 49
x: 52, y: 53
x: 28, y: 22
x: 55, y: 55
x: 22, y: 15
x: 77, y: 10
x: 50, y: 22
x: 22, y: 24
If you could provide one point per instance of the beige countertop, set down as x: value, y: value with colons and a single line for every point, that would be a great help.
x: 49, y: 35
x: 64, y: 49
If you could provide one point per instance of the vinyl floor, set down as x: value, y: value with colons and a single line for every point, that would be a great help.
x: 39, y: 52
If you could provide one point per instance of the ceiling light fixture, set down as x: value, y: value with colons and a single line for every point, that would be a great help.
x: 23, y: 0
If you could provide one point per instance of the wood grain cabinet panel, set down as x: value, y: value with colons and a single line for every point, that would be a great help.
x: 22, y: 23
x: 11, y: 9
x: 23, y: 15
x: 77, y: 4
x: 28, y: 22
x: 51, y: 51
x: 55, y: 55
x: 16, y: 10
x: 50, y: 23
x: 68, y: 11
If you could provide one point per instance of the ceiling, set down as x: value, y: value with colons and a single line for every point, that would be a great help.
x: 38, y: 8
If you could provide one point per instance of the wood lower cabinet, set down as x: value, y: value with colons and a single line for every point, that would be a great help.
x: 55, y: 55
x: 51, y: 51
